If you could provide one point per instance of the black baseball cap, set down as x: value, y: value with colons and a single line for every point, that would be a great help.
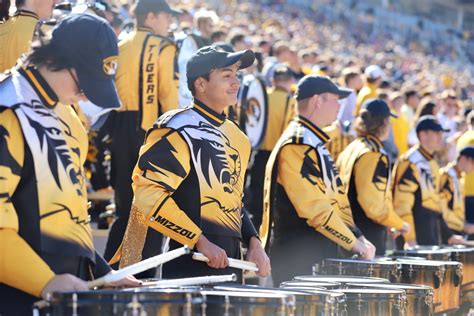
x: 90, y: 45
x: 467, y: 152
x: 212, y: 57
x: 311, y: 84
x: 145, y: 6
x: 429, y: 123
x: 378, y: 107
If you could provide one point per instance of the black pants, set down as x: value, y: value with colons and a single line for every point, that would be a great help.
x: 255, y: 188
x: 15, y: 302
x: 186, y: 267
x: 296, y: 255
x: 127, y: 138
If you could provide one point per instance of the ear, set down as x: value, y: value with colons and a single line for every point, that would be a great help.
x: 315, y: 101
x: 200, y: 84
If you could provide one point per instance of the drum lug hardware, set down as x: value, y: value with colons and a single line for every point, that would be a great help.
x: 136, y: 307
x: 340, y: 268
x: 227, y: 306
x: 74, y: 304
x: 429, y: 298
x: 204, y: 305
x: 371, y: 271
x: 189, y: 304
x: 359, y: 302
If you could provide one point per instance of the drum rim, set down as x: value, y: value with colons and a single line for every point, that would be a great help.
x: 356, y: 261
x: 373, y: 279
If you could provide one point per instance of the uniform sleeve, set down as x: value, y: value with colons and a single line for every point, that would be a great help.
x: 163, y: 163
x: 20, y: 266
x: 404, y: 188
x: 248, y: 229
x: 455, y: 218
x: 301, y: 177
x: 168, y: 79
x: 373, y: 195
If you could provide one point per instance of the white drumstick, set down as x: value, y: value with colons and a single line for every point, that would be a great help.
x: 139, y: 267
x: 233, y: 263
x: 212, y: 279
x: 130, y: 270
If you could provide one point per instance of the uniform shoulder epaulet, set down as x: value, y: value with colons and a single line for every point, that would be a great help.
x: 297, y: 135
x: 164, y: 119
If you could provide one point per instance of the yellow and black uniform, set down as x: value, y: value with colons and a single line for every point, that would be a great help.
x: 452, y: 199
x: 16, y: 35
x: 340, y: 138
x: 147, y: 83
x: 189, y: 181
x: 416, y: 197
x: 467, y: 139
x: 368, y: 91
x: 280, y: 111
x: 44, y: 224
x: 306, y: 212
x: 365, y: 171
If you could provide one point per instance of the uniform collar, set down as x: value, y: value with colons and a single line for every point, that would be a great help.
x: 375, y: 140
x: 425, y: 154
x: 144, y: 29
x: 26, y: 13
x: 316, y: 130
x: 211, y: 115
x: 39, y: 84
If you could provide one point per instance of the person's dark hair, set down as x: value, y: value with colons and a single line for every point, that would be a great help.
x: 4, y: 10
x: 425, y: 108
x: 44, y: 53
x: 367, y: 124
x: 470, y: 118
x: 192, y: 80
x: 349, y: 76
x: 409, y: 94
x: 372, y: 80
x: 237, y: 38
x: 216, y: 35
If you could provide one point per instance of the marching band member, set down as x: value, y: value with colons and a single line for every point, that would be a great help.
x: 147, y: 83
x: 365, y: 171
x: 306, y: 211
x: 17, y: 31
x: 189, y: 179
x: 44, y: 224
x: 451, y: 190
x: 280, y: 111
x: 416, y: 196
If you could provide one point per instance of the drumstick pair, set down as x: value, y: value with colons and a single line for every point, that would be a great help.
x: 154, y: 262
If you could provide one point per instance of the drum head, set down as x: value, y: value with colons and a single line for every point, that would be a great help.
x: 343, y: 279
x: 306, y: 284
x: 253, y: 106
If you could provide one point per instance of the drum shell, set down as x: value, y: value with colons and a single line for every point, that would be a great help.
x: 375, y: 302
x: 443, y: 277
x: 375, y: 268
x: 230, y: 303
x: 106, y: 302
x: 308, y: 301
x: 419, y: 297
x: 464, y: 255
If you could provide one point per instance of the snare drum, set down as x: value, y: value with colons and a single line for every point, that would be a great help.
x: 137, y: 302
x: 430, y: 273
x: 385, y: 302
x: 308, y: 302
x: 451, y: 286
x: 419, y: 297
x: 219, y: 303
x: 342, y: 279
x: 381, y: 269
x: 465, y: 255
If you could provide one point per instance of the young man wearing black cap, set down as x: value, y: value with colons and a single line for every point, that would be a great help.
x: 44, y: 224
x: 306, y: 212
x: 189, y: 178
x: 147, y: 83
x: 365, y: 171
x: 416, y: 196
x: 451, y: 191
x: 280, y: 111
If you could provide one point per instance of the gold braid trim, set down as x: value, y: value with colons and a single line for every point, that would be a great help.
x: 134, y: 238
